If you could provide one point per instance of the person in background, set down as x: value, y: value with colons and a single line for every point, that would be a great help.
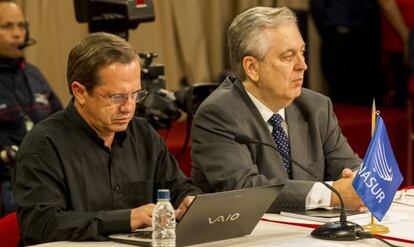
x: 350, y: 49
x: 396, y: 22
x: 94, y: 168
x: 25, y: 96
x: 266, y: 102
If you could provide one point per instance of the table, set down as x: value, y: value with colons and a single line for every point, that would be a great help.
x: 400, y: 220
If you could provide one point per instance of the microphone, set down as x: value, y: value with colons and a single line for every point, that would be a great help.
x: 342, y: 230
x: 27, y: 43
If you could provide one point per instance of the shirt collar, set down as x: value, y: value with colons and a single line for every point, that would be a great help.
x: 11, y: 64
x: 265, y: 112
x: 74, y: 115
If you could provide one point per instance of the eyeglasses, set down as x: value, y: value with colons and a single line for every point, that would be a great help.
x: 120, y: 98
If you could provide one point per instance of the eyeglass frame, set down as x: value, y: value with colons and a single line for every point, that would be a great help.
x: 121, y: 98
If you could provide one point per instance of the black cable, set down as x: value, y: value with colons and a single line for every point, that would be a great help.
x: 362, y: 234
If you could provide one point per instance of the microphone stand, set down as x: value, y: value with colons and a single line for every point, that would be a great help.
x: 341, y: 230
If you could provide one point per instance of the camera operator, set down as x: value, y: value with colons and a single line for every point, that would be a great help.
x: 25, y: 96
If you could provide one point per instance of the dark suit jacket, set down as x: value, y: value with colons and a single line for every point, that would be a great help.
x: 316, y: 141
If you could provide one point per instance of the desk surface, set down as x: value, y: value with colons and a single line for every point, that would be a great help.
x: 400, y: 220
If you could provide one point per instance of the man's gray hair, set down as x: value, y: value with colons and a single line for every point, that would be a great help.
x: 245, y: 34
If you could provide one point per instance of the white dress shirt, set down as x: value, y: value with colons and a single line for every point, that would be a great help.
x: 319, y: 195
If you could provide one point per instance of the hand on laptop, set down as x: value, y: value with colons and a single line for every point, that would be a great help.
x: 349, y: 195
x: 179, y: 212
x: 141, y: 217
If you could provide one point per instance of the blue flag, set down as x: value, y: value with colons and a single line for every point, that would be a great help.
x: 379, y: 176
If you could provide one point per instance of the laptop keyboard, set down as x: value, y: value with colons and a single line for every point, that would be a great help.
x: 141, y: 234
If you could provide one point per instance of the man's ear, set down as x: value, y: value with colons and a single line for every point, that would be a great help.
x: 251, y: 67
x: 79, y: 92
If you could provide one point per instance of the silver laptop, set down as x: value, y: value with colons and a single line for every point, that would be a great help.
x: 215, y: 216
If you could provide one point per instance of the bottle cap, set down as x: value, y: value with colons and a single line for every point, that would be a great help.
x: 163, y: 194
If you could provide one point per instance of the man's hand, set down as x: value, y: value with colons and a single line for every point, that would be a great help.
x: 347, y: 173
x: 179, y: 212
x: 141, y: 217
x: 349, y: 195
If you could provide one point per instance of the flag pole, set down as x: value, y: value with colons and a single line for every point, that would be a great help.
x: 373, y: 227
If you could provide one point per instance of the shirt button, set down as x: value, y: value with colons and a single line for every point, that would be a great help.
x: 116, y: 188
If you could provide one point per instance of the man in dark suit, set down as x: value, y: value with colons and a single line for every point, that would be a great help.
x: 267, y: 102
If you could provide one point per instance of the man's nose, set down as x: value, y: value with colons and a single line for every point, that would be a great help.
x: 18, y: 31
x: 128, y: 105
x: 300, y: 63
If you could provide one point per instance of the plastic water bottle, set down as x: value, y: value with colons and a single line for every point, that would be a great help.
x: 163, y: 221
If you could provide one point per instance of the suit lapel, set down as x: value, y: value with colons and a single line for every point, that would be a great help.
x: 272, y: 164
x: 265, y: 135
x: 298, y: 136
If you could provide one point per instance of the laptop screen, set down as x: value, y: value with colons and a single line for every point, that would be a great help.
x: 216, y: 216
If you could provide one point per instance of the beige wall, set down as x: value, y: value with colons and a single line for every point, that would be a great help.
x: 188, y: 35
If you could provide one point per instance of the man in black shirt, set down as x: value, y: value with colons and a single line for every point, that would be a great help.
x: 94, y: 168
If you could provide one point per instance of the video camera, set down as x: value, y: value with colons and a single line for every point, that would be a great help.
x: 114, y: 16
x: 161, y: 107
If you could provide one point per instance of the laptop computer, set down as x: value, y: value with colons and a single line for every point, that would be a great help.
x: 215, y: 216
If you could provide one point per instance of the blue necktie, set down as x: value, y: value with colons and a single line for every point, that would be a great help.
x: 282, y: 141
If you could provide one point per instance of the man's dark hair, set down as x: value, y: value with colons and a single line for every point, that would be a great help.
x: 94, y: 52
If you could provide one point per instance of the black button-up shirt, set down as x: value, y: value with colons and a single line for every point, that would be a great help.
x: 69, y: 186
